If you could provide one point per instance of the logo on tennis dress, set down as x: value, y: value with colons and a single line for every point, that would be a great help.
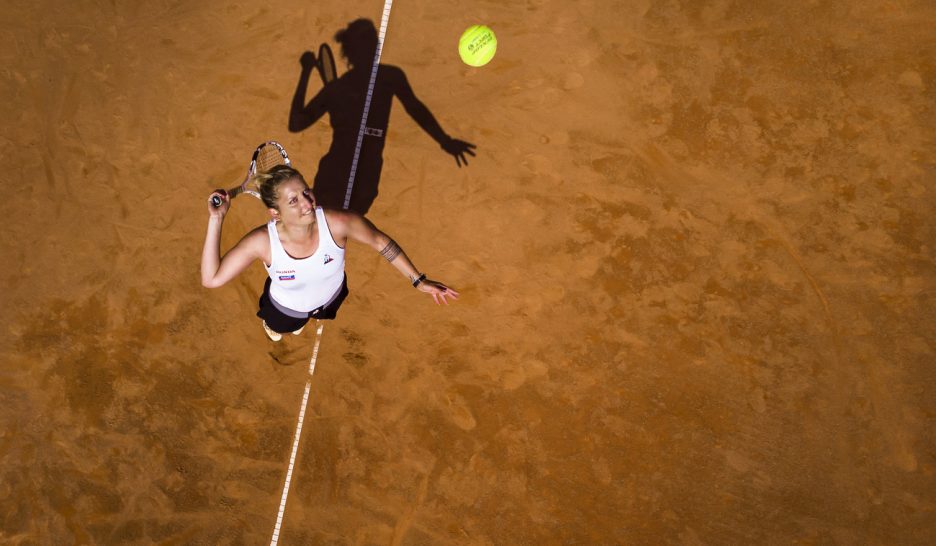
x: 327, y: 259
x: 287, y: 275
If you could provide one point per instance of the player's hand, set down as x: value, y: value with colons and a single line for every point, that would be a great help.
x: 459, y: 148
x: 438, y: 291
x: 307, y: 60
x: 220, y: 211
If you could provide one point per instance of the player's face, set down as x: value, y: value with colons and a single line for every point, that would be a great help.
x: 296, y: 203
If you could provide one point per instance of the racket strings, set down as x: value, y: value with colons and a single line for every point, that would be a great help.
x: 327, y: 68
x: 268, y: 158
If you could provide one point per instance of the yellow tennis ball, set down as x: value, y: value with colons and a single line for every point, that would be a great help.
x: 477, y: 45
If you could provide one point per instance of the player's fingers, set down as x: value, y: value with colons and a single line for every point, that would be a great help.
x: 444, y: 294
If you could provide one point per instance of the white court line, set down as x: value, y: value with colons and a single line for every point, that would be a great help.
x: 295, y: 447
x: 385, y: 18
x: 370, y: 93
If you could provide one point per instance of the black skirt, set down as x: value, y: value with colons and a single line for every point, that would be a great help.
x: 280, y: 322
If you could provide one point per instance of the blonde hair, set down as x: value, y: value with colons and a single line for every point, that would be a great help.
x: 268, y: 183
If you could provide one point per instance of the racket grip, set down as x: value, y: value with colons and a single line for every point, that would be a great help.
x: 216, y: 201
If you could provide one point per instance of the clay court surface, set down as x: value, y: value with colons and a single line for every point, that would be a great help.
x: 695, y: 252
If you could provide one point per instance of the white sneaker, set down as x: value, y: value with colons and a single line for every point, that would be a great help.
x: 299, y: 331
x: 275, y: 336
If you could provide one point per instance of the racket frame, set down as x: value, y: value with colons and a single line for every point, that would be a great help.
x: 251, y: 171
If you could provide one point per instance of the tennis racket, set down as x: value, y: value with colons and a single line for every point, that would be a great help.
x: 265, y: 157
x: 326, y: 64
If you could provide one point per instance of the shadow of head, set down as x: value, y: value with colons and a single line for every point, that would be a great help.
x: 358, y: 42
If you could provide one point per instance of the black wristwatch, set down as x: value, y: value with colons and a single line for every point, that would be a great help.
x: 419, y: 279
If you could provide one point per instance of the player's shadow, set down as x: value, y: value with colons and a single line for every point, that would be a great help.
x: 343, y: 99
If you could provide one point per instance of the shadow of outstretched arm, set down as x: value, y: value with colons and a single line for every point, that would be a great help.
x: 424, y: 118
x: 302, y: 115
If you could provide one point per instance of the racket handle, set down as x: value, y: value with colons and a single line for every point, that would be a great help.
x: 216, y: 201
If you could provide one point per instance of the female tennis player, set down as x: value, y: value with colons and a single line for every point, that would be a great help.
x: 303, y: 250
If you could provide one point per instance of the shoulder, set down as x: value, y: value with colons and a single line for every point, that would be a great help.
x: 339, y: 221
x: 257, y: 232
x: 390, y: 70
x: 346, y: 224
x: 258, y: 237
x: 255, y: 244
x: 392, y: 74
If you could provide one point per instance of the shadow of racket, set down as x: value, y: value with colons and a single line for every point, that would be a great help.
x: 326, y: 64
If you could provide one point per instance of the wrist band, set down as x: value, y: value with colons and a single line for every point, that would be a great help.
x: 419, y: 279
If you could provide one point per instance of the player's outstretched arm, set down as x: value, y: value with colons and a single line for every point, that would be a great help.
x: 215, y: 270
x: 361, y: 229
